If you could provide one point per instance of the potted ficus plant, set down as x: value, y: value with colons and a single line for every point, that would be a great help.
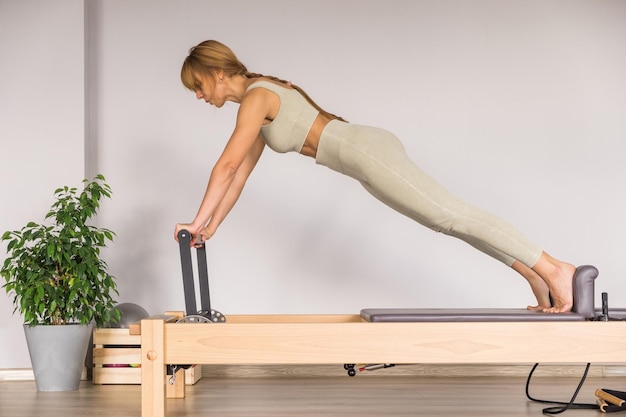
x: 60, y: 283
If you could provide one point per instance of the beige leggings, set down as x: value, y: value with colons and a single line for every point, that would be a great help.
x: 377, y: 159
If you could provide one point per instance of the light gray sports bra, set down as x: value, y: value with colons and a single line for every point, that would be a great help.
x: 287, y: 132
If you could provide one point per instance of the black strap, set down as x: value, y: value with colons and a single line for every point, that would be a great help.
x: 562, y: 406
x: 203, y: 277
x: 184, y: 242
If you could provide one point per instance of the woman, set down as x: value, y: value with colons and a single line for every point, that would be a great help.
x: 281, y: 115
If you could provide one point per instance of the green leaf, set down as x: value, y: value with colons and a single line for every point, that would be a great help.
x: 54, y: 272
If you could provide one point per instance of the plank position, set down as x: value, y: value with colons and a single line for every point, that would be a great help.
x: 281, y: 115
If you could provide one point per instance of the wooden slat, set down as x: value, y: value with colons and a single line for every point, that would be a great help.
x: 107, y: 356
x: 115, y: 337
x: 293, y: 318
x: 168, y: 317
x: 117, y: 376
x: 319, y: 343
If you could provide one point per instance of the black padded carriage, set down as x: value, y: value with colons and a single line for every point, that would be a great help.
x: 583, y: 309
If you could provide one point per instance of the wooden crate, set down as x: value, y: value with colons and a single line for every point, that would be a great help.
x: 117, y: 359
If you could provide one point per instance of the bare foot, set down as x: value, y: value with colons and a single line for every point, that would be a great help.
x: 560, y: 283
x: 538, y: 308
x: 537, y: 284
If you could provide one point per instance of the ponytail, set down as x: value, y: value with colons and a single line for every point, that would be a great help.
x: 331, y: 116
x: 211, y: 56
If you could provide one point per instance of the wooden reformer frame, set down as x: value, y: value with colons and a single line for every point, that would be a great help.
x: 348, y: 339
x: 341, y: 339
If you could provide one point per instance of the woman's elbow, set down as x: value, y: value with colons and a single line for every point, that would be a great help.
x: 225, y: 171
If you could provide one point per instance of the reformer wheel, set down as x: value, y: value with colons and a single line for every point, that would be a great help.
x: 194, y: 319
x: 215, y: 316
x: 204, y: 317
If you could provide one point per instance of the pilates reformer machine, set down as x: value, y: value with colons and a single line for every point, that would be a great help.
x: 379, y: 337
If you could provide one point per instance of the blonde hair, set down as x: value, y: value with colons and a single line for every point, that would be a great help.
x: 209, y: 57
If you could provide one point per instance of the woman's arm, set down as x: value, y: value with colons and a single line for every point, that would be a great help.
x: 243, y: 146
x: 234, y: 191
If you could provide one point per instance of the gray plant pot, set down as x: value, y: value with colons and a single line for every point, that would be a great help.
x: 57, y: 354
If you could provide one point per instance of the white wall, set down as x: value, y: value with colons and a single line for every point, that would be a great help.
x: 517, y: 107
x: 42, y: 125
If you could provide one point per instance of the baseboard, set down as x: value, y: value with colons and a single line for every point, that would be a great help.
x: 26, y: 375
x: 16, y: 375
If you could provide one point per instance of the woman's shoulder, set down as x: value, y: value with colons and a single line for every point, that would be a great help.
x: 261, y: 96
x: 268, y: 84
